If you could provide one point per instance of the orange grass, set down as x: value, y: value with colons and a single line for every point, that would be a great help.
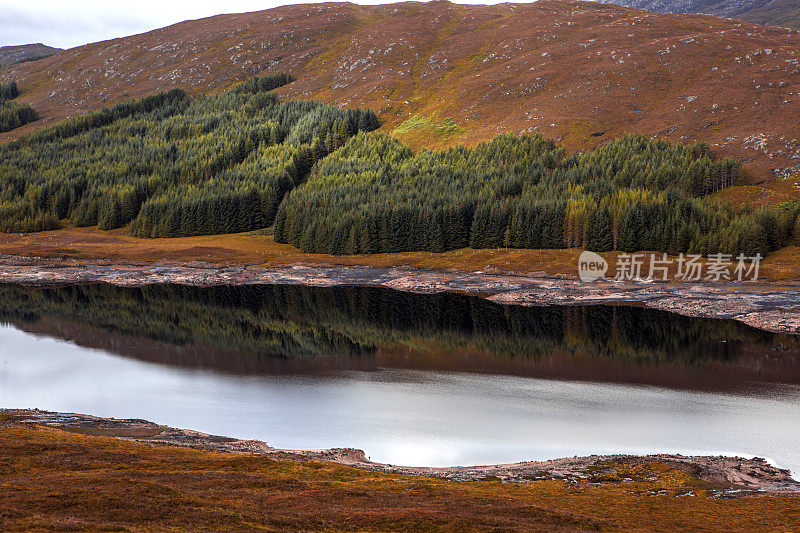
x: 56, y: 480
x: 784, y: 188
x: 260, y: 249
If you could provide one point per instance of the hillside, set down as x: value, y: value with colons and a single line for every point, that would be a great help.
x: 442, y: 74
x: 10, y: 55
x: 767, y: 12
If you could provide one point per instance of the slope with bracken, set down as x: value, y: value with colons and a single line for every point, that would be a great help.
x: 441, y: 73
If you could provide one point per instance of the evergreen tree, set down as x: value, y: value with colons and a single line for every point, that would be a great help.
x: 598, y: 234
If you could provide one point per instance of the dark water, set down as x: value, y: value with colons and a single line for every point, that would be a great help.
x: 413, y: 379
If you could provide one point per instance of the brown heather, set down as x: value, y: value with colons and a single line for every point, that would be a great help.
x: 54, y: 480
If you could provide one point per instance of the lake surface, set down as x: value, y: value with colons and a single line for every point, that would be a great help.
x: 411, y: 379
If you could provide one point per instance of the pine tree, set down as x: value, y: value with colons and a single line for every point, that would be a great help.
x: 598, y: 235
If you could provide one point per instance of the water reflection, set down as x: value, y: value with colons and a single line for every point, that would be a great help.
x: 288, y: 330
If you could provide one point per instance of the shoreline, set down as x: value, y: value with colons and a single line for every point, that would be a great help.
x: 768, y: 306
x: 730, y: 476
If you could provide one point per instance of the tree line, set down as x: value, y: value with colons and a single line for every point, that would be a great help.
x: 375, y: 195
x: 14, y: 114
x: 172, y: 165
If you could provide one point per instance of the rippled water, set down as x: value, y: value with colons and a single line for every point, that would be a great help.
x: 411, y: 379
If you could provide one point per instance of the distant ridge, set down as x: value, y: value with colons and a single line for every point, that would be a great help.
x: 784, y: 13
x: 441, y: 74
x: 10, y: 55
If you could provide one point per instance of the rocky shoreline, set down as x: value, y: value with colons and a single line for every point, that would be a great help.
x: 728, y: 476
x: 768, y: 306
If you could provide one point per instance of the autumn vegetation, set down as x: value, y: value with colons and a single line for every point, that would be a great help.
x: 55, y: 480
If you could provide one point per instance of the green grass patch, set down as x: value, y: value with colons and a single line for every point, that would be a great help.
x: 445, y: 127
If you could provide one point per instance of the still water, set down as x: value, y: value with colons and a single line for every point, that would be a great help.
x: 411, y: 379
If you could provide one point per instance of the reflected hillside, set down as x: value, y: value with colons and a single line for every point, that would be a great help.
x: 273, y: 328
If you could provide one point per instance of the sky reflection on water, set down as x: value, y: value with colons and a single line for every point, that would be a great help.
x: 404, y: 416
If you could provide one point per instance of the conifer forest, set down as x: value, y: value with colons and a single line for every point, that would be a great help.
x: 169, y: 165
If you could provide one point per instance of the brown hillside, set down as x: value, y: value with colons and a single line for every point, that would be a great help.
x: 580, y: 72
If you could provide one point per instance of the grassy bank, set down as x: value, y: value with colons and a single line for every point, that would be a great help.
x: 259, y: 248
x: 57, y: 480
